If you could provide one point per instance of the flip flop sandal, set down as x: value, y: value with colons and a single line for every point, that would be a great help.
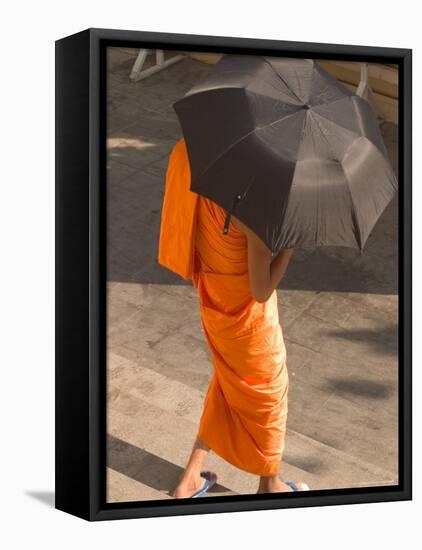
x: 298, y: 486
x: 210, y: 480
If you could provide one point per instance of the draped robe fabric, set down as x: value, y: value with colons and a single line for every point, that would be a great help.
x: 245, y: 408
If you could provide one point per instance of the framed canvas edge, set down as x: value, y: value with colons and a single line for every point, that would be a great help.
x: 99, y: 509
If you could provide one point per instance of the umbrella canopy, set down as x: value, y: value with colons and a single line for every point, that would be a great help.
x: 294, y: 154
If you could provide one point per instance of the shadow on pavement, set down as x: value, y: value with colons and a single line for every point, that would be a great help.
x: 361, y: 387
x: 145, y: 467
x: 384, y: 340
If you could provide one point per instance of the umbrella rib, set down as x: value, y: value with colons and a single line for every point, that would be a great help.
x: 323, y: 135
x: 318, y: 113
x: 259, y: 94
x: 278, y: 120
x: 337, y: 124
x: 354, y: 213
x: 253, y: 131
x: 283, y: 81
x: 225, y: 151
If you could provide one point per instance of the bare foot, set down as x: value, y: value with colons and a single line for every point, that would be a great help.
x: 188, y: 486
x: 274, y: 486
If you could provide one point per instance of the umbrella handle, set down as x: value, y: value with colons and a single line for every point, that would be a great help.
x: 230, y: 212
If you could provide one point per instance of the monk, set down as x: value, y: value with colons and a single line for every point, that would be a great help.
x: 245, y: 409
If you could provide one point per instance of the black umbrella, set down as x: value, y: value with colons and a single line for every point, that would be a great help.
x: 295, y: 154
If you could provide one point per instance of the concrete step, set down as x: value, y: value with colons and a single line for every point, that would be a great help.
x: 121, y: 488
x: 152, y: 423
x: 324, y: 467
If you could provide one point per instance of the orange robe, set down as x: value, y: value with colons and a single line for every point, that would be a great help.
x: 245, y: 408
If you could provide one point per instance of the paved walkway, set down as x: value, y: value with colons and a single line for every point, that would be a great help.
x: 338, y: 312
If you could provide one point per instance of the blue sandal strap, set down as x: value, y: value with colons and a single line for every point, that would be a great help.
x: 203, y: 490
x: 208, y: 483
x: 292, y: 485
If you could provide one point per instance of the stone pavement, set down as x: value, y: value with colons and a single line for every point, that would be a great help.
x: 338, y: 311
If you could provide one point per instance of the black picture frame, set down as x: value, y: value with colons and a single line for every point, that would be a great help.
x: 80, y: 368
